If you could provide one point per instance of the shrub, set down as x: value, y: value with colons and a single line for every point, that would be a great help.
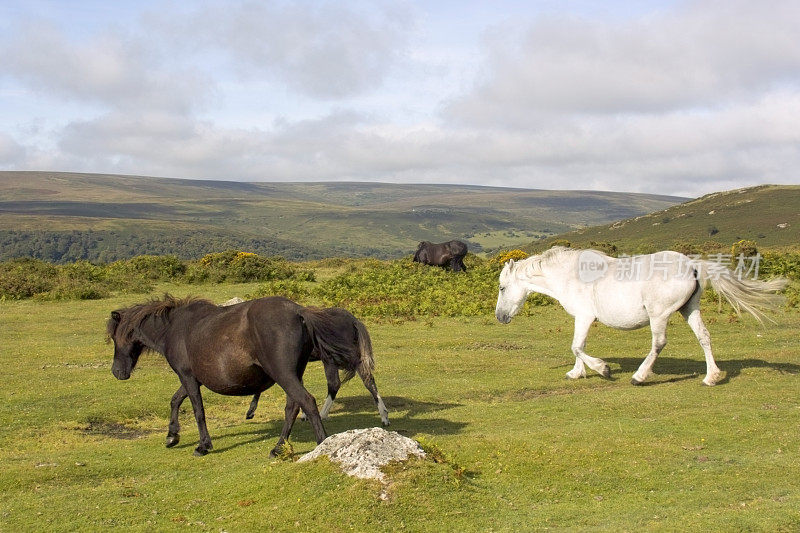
x: 403, y: 288
x: 744, y: 247
x: 152, y: 267
x: 604, y: 246
x: 780, y: 264
x: 288, y: 288
x: 686, y: 248
x: 502, y: 257
x: 23, y: 278
x: 238, y: 267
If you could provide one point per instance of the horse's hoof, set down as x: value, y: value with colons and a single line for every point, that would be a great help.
x: 172, y: 440
x: 709, y: 384
x: 636, y: 382
x: 199, y: 452
x: 606, y: 373
x: 249, y: 416
x: 386, y: 422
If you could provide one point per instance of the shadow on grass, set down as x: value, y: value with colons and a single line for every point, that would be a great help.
x: 683, y: 369
x: 348, y: 413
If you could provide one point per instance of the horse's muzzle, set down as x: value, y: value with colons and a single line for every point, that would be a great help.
x: 120, y: 374
x: 504, y: 318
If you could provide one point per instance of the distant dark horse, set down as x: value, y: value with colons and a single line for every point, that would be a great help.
x: 451, y: 252
x: 358, y: 359
x: 238, y: 350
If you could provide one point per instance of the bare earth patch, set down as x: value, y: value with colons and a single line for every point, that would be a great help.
x: 115, y: 430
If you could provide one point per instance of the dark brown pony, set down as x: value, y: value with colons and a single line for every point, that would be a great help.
x: 238, y: 350
x: 446, y: 253
x: 358, y: 359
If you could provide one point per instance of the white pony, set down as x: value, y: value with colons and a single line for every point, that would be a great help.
x: 629, y: 293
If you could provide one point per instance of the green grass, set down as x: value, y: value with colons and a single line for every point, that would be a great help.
x: 767, y: 214
x: 525, y: 449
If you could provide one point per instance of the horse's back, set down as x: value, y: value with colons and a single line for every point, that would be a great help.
x: 229, y: 350
x: 638, y: 287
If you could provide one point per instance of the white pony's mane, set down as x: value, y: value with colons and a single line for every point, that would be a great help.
x: 534, y: 264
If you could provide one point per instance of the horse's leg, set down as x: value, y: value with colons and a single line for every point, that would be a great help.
x: 332, y: 378
x: 691, y: 312
x: 578, y: 371
x: 334, y: 383
x: 658, y: 328
x: 454, y: 265
x: 253, y: 404
x: 296, y: 392
x: 369, y: 383
x: 173, y: 436
x: 582, y: 325
x: 290, y: 413
x: 192, y: 387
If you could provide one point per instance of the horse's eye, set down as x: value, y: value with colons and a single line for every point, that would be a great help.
x: 502, y: 289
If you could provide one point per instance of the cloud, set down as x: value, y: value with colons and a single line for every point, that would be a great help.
x: 322, y: 50
x: 113, y: 69
x: 11, y: 152
x: 699, y: 54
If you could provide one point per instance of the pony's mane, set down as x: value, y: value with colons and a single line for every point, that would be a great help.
x: 552, y: 256
x: 557, y: 253
x: 131, y: 317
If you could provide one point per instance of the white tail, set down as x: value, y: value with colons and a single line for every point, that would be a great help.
x: 754, y: 296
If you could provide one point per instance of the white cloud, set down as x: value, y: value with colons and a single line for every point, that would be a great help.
x: 702, y: 54
x: 113, y: 69
x: 684, y: 100
x: 323, y: 50
x: 11, y: 152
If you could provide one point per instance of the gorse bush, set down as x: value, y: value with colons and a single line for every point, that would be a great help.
x: 501, y: 258
x: 744, y: 247
x: 238, y: 267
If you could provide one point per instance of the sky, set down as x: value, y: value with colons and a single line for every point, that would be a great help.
x: 667, y: 97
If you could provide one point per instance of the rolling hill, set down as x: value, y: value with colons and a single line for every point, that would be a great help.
x: 68, y: 216
x: 767, y: 214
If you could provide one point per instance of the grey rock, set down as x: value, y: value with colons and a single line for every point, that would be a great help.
x: 362, y: 452
x: 232, y: 301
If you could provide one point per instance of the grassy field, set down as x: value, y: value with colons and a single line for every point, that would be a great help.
x: 767, y: 214
x: 525, y: 449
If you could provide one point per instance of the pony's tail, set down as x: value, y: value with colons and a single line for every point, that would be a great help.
x: 754, y: 296
x: 333, y: 340
x: 366, y: 363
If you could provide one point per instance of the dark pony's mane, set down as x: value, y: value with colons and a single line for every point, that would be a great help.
x: 131, y: 317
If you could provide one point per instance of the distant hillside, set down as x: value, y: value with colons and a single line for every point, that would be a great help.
x: 767, y: 214
x: 68, y: 216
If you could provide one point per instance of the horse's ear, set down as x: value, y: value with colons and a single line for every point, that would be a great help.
x: 510, y: 263
x: 115, y: 316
